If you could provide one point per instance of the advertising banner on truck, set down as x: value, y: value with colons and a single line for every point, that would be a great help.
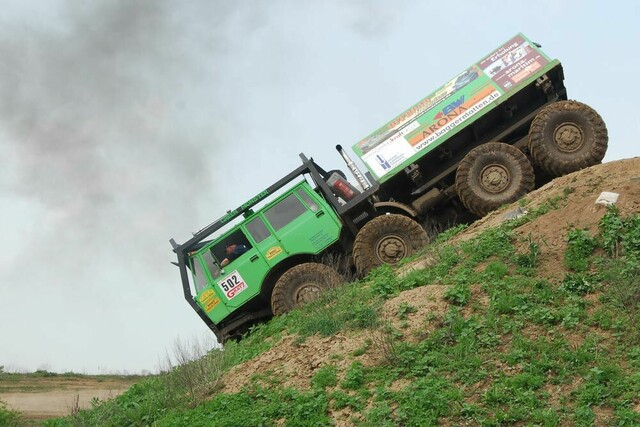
x: 443, y: 113
x: 512, y: 62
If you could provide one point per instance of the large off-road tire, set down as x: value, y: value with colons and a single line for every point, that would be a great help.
x: 302, y: 284
x: 567, y: 136
x: 492, y: 175
x: 387, y: 239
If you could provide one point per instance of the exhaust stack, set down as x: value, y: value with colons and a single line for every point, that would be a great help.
x: 353, y: 168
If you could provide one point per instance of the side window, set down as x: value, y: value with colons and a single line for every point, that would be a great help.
x: 308, y: 200
x: 285, y: 211
x: 258, y: 229
x: 231, y: 247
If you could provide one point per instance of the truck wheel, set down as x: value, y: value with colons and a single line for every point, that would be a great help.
x: 492, y: 175
x: 302, y: 284
x: 567, y: 136
x: 387, y: 239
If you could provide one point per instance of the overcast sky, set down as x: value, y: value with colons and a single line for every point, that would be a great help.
x: 124, y: 123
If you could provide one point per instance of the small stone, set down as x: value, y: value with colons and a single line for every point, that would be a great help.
x: 516, y: 213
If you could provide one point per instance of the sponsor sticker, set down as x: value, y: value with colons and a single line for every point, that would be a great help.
x: 405, y: 131
x: 209, y: 300
x: 206, y: 295
x: 211, y: 304
x: 273, y: 252
x: 512, y: 62
x: 388, y: 155
x: 452, y: 116
x: 232, y: 285
x: 407, y: 121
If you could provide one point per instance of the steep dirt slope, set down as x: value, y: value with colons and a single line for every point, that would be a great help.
x: 578, y: 192
x: 572, y: 200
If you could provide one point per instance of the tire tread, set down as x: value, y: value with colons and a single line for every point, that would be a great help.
x: 280, y: 297
x: 468, y: 193
x: 542, y: 150
x: 363, y: 252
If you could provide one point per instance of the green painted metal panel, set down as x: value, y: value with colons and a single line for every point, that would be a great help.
x: 308, y: 225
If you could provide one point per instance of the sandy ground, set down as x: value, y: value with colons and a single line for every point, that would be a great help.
x: 43, y: 398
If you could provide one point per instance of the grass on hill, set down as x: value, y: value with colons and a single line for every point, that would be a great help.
x: 531, y: 351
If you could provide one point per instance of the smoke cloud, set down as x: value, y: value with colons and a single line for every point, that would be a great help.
x: 84, y: 109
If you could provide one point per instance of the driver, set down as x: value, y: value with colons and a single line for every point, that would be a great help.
x: 233, y: 250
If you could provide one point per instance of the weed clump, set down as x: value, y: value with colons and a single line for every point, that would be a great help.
x: 580, y: 246
x: 9, y: 417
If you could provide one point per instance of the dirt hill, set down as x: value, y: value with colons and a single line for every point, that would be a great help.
x: 576, y: 195
x: 570, y: 204
x: 529, y: 316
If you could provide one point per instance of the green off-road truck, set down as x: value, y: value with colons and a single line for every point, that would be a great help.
x: 488, y: 136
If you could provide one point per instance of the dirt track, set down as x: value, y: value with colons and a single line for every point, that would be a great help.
x: 43, y: 398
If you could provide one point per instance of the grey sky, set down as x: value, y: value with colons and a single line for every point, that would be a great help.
x: 124, y: 123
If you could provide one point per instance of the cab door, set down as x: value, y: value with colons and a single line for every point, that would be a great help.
x: 241, y: 278
x: 302, y: 222
x: 266, y: 241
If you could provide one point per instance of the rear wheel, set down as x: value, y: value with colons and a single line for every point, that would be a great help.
x: 567, y: 136
x: 386, y: 240
x: 302, y: 284
x: 492, y: 175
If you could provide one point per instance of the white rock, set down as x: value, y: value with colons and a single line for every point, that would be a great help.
x: 606, y: 198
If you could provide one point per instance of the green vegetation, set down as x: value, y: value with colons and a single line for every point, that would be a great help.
x: 531, y: 351
x: 8, y: 417
x: 580, y: 247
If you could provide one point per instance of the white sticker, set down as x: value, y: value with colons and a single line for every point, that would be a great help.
x: 405, y: 130
x: 388, y: 155
x: 232, y: 285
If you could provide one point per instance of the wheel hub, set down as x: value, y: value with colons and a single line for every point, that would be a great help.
x: 495, y: 178
x: 391, y: 249
x: 307, y: 293
x: 568, y: 137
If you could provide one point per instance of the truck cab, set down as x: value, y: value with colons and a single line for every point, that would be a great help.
x: 266, y: 256
x: 299, y: 223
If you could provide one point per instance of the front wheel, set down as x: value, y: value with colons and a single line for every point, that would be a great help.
x: 492, y: 175
x: 386, y: 240
x: 567, y: 136
x: 302, y: 284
